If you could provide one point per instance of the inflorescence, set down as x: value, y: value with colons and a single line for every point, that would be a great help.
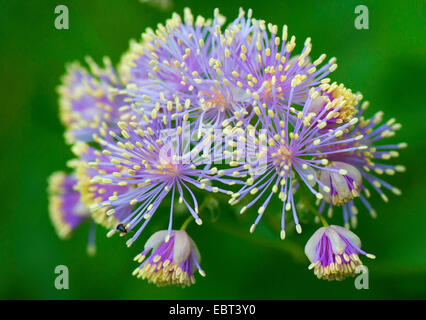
x: 198, y: 107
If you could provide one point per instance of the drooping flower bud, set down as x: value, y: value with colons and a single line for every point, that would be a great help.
x: 335, y: 104
x: 173, y: 260
x: 333, y: 252
x: 344, y: 182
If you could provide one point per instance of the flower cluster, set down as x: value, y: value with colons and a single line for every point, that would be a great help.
x: 198, y: 108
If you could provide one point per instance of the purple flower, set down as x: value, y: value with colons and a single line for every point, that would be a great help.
x: 174, y: 259
x: 86, y: 99
x: 287, y: 128
x: 367, y: 160
x: 86, y: 167
x: 343, y: 188
x: 219, y: 74
x: 183, y: 61
x: 340, y: 103
x: 268, y: 70
x: 154, y: 163
x: 291, y: 152
x: 333, y: 252
x: 66, y: 210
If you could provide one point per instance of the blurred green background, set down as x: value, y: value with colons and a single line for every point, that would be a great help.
x: 386, y: 63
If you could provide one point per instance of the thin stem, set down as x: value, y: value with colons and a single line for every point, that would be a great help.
x: 187, y: 221
x: 290, y: 247
x: 321, y: 217
x: 91, y: 245
x: 191, y: 218
x: 314, y: 211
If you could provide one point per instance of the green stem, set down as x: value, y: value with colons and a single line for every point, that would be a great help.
x: 191, y: 218
x: 321, y: 217
x: 187, y: 221
x: 290, y: 247
x: 314, y: 211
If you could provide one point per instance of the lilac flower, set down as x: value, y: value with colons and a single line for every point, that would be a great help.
x: 86, y: 99
x: 339, y: 102
x: 86, y: 167
x: 145, y: 59
x: 333, y: 252
x: 343, y: 188
x: 219, y: 74
x: 66, y: 210
x: 153, y: 163
x: 364, y: 160
x: 268, y: 71
x: 293, y: 153
x: 173, y: 260
x: 286, y: 127
x: 183, y: 61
